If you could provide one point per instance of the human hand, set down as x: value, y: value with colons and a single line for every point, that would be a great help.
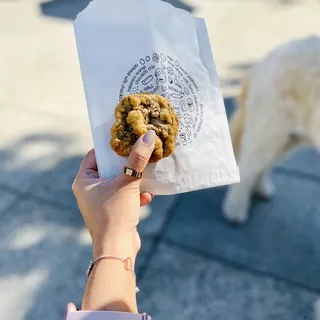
x: 111, y: 208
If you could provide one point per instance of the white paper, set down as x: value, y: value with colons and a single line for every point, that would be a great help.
x: 132, y: 46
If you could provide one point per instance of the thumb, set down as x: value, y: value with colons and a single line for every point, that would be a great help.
x: 140, y: 154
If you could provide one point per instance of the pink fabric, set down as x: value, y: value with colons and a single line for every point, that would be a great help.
x: 105, y: 315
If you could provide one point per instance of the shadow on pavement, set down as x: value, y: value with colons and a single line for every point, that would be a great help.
x: 69, y: 9
x: 44, y: 241
x: 181, y: 5
x: 63, y: 9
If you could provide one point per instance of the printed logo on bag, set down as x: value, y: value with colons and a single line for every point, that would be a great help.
x: 161, y: 74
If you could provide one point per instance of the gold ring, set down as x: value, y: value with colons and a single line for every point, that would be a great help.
x: 131, y: 172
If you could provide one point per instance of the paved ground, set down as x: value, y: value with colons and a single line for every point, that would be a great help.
x: 192, y: 263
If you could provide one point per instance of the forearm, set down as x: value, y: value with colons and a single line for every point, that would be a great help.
x: 110, y: 285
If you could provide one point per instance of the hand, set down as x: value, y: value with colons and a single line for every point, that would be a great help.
x: 111, y: 208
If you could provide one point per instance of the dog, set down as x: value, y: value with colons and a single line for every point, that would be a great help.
x: 279, y: 109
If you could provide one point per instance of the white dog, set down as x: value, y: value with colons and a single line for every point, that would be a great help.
x: 279, y: 109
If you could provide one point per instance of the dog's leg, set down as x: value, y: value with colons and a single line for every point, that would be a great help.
x: 264, y: 188
x: 253, y: 166
x: 236, y: 205
x: 265, y: 137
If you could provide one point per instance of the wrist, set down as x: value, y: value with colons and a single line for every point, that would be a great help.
x: 121, y: 246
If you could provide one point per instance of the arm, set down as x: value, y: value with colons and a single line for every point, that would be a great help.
x: 111, y: 211
x: 110, y: 285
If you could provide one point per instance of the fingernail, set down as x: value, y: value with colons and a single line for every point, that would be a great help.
x: 149, y: 137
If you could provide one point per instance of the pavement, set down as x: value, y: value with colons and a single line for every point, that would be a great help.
x: 192, y: 264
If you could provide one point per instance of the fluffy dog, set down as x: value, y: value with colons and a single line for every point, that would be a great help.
x: 279, y: 108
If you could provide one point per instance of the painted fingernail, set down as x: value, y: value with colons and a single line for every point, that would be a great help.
x: 149, y: 137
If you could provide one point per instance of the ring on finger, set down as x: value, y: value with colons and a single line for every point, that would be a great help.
x: 132, y: 173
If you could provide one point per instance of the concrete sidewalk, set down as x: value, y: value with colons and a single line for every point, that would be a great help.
x: 192, y: 263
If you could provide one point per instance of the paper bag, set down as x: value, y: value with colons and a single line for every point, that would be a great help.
x: 132, y: 46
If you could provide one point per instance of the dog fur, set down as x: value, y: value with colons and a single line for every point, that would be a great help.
x: 279, y: 108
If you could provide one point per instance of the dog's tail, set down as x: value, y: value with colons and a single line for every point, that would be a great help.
x: 237, y: 121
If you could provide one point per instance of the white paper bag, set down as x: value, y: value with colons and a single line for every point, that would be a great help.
x: 132, y: 46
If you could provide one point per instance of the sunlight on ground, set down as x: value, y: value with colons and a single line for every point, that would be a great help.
x: 27, y: 237
x: 18, y: 292
x: 83, y: 237
x: 39, y: 153
x: 145, y: 212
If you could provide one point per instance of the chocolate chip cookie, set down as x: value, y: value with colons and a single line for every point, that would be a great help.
x: 135, y: 115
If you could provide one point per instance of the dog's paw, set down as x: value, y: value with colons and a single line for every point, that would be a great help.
x: 265, y: 188
x: 235, y: 213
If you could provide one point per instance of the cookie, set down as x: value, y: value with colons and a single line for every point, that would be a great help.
x: 135, y: 115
